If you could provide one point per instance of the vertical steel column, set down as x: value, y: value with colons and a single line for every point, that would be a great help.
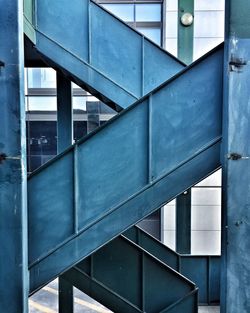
x: 66, y: 297
x: 235, y: 157
x: 64, y: 140
x: 14, y: 283
x: 183, y: 202
x: 185, y: 33
x: 64, y: 113
x: 183, y: 223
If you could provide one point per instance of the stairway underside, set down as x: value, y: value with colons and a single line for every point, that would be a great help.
x: 125, y: 278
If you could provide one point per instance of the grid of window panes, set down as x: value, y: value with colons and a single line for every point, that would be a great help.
x: 208, y: 25
x: 205, y: 218
x: 41, y: 115
x: 145, y: 16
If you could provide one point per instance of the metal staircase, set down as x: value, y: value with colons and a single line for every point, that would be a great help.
x: 100, y: 52
x: 164, y: 143
x: 141, y: 154
x: 126, y: 278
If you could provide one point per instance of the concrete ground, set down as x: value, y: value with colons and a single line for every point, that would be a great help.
x: 46, y: 301
x: 209, y: 309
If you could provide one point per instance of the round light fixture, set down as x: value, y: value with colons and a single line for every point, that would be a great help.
x: 187, y: 19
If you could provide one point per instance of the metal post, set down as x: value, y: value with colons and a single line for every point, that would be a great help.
x: 64, y: 140
x: 14, y: 283
x: 66, y: 297
x: 64, y: 113
x: 185, y: 30
x: 183, y: 223
x: 235, y: 294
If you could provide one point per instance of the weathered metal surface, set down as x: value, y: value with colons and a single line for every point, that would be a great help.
x: 100, y: 52
x: 126, y: 278
x: 236, y: 170
x: 203, y: 270
x: 141, y: 154
x: 13, y: 190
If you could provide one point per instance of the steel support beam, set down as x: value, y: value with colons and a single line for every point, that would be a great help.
x: 64, y: 113
x: 64, y: 140
x: 14, y: 284
x: 236, y: 160
x: 183, y: 223
x: 185, y: 32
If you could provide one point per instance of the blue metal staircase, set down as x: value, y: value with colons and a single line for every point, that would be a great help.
x: 126, y: 278
x: 108, y: 181
x: 118, y: 276
x: 166, y: 140
x: 100, y: 52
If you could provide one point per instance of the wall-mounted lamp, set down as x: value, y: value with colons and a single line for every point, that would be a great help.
x: 187, y: 19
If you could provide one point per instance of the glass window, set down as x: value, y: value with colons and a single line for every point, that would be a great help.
x: 171, y: 45
x: 171, y: 25
x: 203, y: 45
x: 41, y: 103
x: 206, y: 217
x: 148, y: 12
x: 152, y: 33
x: 123, y: 11
x: 209, y: 5
x: 41, y: 78
x: 79, y: 103
x: 209, y: 24
x: 206, y: 242
x: 206, y: 196
x: 172, y: 5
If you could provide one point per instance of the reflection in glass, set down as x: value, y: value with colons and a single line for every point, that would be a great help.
x: 152, y: 33
x: 148, y: 12
x: 41, y: 78
x: 123, y: 11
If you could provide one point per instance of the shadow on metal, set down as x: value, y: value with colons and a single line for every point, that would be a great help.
x: 126, y: 278
x: 203, y: 270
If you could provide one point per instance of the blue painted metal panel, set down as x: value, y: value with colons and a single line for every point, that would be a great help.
x: 236, y: 181
x: 114, y: 165
x: 131, y: 279
x: 51, y: 221
x: 65, y: 23
x: 14, y: 279
x: 113, y: 187
x: 200, y: 266
x: 95, y: 52
x: 179, y: 111
x: 116, y: 50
